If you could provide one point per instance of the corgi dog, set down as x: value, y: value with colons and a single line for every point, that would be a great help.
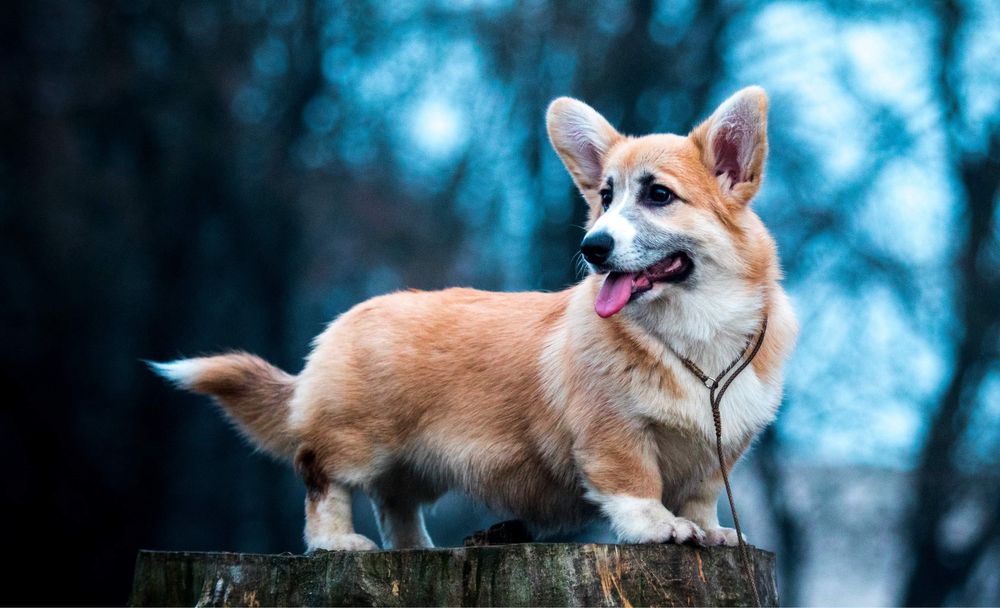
x: 553, y: 408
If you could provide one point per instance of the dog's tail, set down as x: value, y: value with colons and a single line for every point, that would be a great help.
x: 254, y: 394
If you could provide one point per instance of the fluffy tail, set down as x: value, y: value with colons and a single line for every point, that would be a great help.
x: 254, y: 394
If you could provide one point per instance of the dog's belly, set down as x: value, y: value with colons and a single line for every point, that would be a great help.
x: 517, y: 481
x: 536, y: 499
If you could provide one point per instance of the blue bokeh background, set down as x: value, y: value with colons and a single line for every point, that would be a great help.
x: 192, y: 176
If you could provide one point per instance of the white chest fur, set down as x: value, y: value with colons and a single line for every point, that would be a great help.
x: 686, y: 427
x: 711, y: 327
x: 747, y: 406
x: 711, y: 336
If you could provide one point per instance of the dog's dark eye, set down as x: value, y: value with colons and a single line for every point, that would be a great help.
x: 661, y: 195
x: 606, y: 197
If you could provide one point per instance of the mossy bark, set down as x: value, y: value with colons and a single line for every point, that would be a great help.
x: 505, y: 575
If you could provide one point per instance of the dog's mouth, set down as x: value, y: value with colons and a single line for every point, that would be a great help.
x: 621, y: 287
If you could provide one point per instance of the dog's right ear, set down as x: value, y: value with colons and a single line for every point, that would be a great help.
x: 582, y: 139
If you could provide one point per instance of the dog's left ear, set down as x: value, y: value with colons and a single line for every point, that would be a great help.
x: 733, y: 143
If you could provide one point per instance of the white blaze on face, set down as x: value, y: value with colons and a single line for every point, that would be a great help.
x: 614, y: 223
x: 618, y: 226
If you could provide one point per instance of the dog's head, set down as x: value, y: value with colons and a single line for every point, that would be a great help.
x: 668, y: 212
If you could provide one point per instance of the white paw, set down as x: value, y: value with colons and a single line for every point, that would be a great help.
x: 673, y: 530
x: 684, y: 531
x: 721, y: 536
x: 342, y: 542
x: 640, y: 520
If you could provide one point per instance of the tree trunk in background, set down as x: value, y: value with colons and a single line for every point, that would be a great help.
x: 507, y: 575
x: 940, y: 569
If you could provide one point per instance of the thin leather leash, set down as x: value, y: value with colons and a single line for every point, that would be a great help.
x: 715, y: 394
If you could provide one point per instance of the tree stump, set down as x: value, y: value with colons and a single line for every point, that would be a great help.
x: 536, y: 574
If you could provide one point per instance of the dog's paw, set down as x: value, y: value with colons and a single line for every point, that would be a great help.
x: 342, y: 542
x: 685, y: 531
x: 672, y: 530
x: 721, y: 536
x: 641, y: 520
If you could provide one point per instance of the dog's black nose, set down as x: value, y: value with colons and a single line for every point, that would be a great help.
x: 596, y: 248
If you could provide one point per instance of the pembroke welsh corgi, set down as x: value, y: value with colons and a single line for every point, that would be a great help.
x: 553, y: 408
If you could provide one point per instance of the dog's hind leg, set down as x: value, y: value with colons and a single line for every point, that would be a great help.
x: 328, y: 509
x: 401, y: 523
x: 397, y: 496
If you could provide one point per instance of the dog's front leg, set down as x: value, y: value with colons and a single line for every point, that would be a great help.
x: 702, y: 508
x: 622, y: 478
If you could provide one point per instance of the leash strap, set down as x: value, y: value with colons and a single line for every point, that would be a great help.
x: 715, y: 394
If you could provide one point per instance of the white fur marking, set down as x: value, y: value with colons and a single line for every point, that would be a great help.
x: 341, y: 542
x: 722, y: 536
x: 182, y: 372
x: 645, y: 520
x: 618, y: 226
x: 329, y: 525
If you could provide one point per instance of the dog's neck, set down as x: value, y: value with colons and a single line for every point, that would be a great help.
x: 708, y: 323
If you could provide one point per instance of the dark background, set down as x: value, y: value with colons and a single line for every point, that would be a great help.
x: 185, y: 177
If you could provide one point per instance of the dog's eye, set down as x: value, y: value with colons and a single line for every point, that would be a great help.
x: 661, y: 195
x: 606, y: 197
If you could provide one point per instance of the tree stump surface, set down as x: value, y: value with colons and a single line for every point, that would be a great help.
x: 536, y: 574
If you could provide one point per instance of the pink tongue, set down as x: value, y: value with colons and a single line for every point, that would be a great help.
x: 614, y: 294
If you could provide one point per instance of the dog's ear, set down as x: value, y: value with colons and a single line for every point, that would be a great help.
x: 733, y: 143
x: 582, y: 137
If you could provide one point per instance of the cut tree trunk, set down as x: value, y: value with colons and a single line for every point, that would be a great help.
x: 505, y: 575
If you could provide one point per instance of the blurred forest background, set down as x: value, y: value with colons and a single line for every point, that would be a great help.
x: 185, y: 177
